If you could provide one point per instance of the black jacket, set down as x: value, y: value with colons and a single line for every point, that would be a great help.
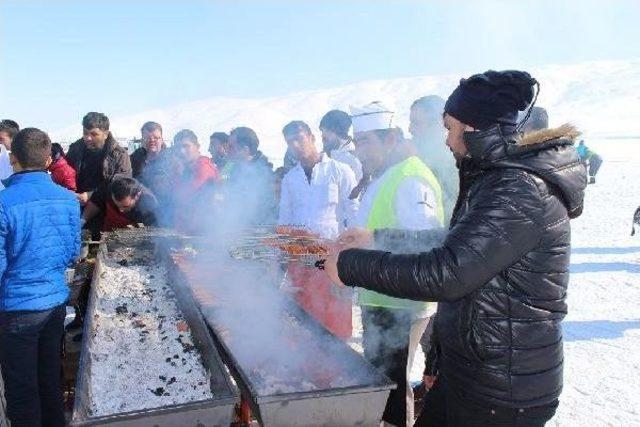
x: 144, y: 212
x: 138, y: 161
x: 501, y: 273
x: 116, y: 161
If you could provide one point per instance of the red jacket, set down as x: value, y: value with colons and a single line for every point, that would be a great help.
x: 196, y: 178
x: 144, y: 211
x: 62, y: 173
x: 113, y: 218
x: 204, y: 171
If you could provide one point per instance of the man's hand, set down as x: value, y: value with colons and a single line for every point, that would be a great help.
x: 83, y: 198
x: 331, y: 265
x: 355, y: 238
x: 351, y: 238
x: 428, y: 381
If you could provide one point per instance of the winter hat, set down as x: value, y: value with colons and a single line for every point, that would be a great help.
x: 538, y: 120
x: 491, y: 98
x: 373, y: 116
x: 338, y: 122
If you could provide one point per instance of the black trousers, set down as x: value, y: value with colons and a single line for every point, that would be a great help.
x: 444, y: 407
x: 594, y: 164
x: 385, y: 339
x: 30, y: 343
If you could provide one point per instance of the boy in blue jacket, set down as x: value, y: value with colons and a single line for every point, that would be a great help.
x: 39, y: 239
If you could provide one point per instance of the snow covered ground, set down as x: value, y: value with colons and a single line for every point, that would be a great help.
x: 602, y: 329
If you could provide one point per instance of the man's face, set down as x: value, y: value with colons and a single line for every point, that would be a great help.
x: 217, y: 149
x: 455, y: 136
x: 95, y: 138
x: 5, y: 140
x: 188, y: 150
x: 370, y: 150
x: 237, y: 152
x: 330, y: 140
x: 302, y: 145
x: 126, y: 204
x: 152, y: 140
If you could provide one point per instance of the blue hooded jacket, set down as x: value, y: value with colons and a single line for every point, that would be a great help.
x: 39, y: 239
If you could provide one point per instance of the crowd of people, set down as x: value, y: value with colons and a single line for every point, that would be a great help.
x: 472, y: 212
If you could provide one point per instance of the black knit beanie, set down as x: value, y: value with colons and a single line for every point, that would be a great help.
x: 491, y: 98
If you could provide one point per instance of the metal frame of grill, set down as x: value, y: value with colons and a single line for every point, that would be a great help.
x: 217, y: 411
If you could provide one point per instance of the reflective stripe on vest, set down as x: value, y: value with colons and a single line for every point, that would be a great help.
x: 383, y: 215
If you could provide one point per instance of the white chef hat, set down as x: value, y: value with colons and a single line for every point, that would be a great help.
x: 372, y: 116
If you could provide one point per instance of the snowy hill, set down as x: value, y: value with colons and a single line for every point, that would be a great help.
x: 602, y: 98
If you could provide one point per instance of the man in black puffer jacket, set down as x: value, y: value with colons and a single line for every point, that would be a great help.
x: 502, y: 271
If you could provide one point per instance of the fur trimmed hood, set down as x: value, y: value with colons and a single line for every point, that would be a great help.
x: 548, y: 154
x: 566, y: 131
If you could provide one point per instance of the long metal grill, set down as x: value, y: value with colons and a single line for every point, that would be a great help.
x: 296, y: 373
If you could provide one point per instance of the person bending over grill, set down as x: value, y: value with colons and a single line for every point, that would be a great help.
x: 128, y: 203
x: 501, y: 274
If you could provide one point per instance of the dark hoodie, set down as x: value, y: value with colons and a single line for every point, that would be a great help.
x: 502, y: 271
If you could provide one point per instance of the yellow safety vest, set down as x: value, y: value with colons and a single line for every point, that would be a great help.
x: 383, y: 215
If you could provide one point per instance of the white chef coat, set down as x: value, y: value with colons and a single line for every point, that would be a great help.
x: 345, y: 154
x: 322, y: 205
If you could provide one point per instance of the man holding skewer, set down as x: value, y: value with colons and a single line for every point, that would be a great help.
x: 403, y: 193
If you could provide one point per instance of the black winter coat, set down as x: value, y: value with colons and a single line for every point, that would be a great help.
x: 140, y: 159
x: 501, y: 273
x: 115, y: 162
